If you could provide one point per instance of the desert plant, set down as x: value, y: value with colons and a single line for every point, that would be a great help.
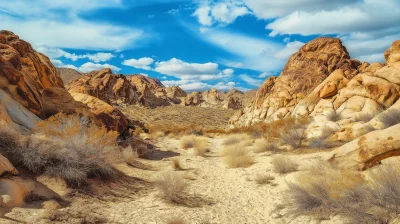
x: 68, y: 147
x: 188, y: 141
x: 390, y: 117
x: 176, y: 220
x: 172, y: 187
x: 201, y: 146
x: 264, y: 179
x: 235, y: 157
x: 262, y: 145
x: 334, y: 116
x: 294, y: 137
x: 130, y: 156
x: 176, y: 164
x: 284, y: 165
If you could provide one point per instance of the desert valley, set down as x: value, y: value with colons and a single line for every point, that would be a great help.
x: 312, y: 139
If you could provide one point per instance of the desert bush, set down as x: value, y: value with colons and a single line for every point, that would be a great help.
x: 176, y: 164
x: 130, y: 156
x: 263, y: 145
x: 10, y: 140
x: 294, y: 137
x: 334, y: 116
x: 390, y: 117
x: 264, y: 179
x: 176, y: 220
x: 172, y: 186
x: 201, y: 146
x: 68, y: 147
x: 361, y: 200
x: 235, y: 157
x: 188, y: 141
x: 284, y: 165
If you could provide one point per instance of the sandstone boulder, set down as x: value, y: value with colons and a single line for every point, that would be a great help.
x: 392, y: 54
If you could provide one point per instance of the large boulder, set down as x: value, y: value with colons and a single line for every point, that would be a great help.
x: 304, y: 71
x: 104, y: 114
x: 368, y: 150
x: 16, y: 115
x: 25, y: 73
x: 392, y: 54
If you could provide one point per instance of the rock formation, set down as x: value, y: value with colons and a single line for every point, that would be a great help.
x: 68, y: 75
x: 303, y: 72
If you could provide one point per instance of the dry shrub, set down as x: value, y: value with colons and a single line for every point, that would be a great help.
x: 130, y: 156
x: 188, y: 141
x: 70, y: 148
x: 390, y: 117
x: 284, y: 165
x: 176, y: 164
x: 201, y: 146
x: 172, y: 187
x: 235, y: 157
x: 264, y: 179
x: 236, y: 139
x: 330, y: 192
x: 262, y: 145
x: 293, y: 131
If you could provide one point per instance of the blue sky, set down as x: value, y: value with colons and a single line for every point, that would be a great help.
x: 198, y: 44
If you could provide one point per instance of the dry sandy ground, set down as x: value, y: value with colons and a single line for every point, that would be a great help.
x: 217, y: 194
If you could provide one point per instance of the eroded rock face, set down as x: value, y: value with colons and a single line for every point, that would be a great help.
x: 303, y: 72
x: 105, y: 114
x: 392, y: 54
x: 368, y: 150
x: 108, y: 87
x: 25, y: 73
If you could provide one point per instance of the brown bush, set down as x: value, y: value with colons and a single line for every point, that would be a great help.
x: 235, y: 157
x: 361, y: 200
x: 284, y: 165
x: 263, y: 145
x: 172, y: 187
x: 68, y: 147
x: 264, y: 179
x: 176, y: 164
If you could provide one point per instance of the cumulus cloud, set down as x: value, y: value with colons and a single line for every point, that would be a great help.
x: 224, y: 12
x: 89, y: 66
x: 266, y: 74
x: 141, y: 63
x: 60, y: 64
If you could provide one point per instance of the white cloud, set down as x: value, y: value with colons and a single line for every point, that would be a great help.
x: 60, y: 64
x: 142, y: 63
x: 184, y: 70
x: 269, y: 9
x: 290, y: 48
x: 251, y: 81
x: 54, y: 53
x: 89, y: 66
x: 66, y: 30
x: 253, y: 53
x: 173, y: 11
x: 364, y: 17
x: 224, y: 12
x: 203, y: 15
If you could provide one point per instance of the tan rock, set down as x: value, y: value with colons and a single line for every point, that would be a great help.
x: 6, y: 167
x: 392, y: 54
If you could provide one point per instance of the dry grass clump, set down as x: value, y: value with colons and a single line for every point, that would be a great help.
x: 188, y: 141
x: 201, y: 146
x: 292, y: 132
x: 176, y: 164
x: 172, y: 187
x: 330, y: 192
x: 130, y: 156
x: 235, y: 157
x: 263, y: 145
x: 390, y: 117
x: 67, y: 147
x: 284, y: 165
x: 264, y: 179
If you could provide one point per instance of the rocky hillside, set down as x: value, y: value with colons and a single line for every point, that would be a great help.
x: 31, y: 90
x: 122, y: 90
x: 68, y: 75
